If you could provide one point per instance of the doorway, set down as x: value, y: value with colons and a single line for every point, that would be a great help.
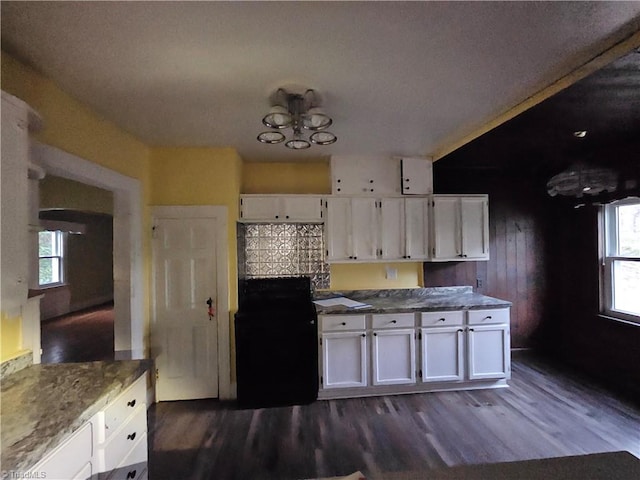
x: 128, y: 270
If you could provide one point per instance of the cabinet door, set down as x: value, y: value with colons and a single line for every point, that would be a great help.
x: 475, y: 226
x: 442, y: 354
x: 417, y: 176
x: 338, y: 229
x: 13, y: 215
x: 261, y: 208
x: 446, y: 228
x: 364, y: 228
x: 392, y: 228
x: 393, y: 357
x: 489, y: 352
x: 307, y: 208
x: 344, y: 359
x: 416, y: 228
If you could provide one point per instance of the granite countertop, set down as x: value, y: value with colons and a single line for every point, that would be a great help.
x: 42, y: 404
x: 410, y: 300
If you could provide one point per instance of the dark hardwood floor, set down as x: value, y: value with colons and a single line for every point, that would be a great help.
x: 83, y: 336
x: 547, y: 412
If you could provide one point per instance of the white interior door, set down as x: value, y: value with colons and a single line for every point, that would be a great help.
x: 185, y: 274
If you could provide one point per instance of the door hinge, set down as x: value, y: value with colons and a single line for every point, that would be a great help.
x: 420, y: 374
x: 154, y: 232
x: 157, y: 373
x: 321, y: 380
x: 419, y: 335
x: 320, y: 340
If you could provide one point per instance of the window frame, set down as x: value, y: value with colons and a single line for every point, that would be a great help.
x: 61, y: 241
x: 609, y: 238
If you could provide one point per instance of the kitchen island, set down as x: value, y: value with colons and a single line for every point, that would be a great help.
x: 44, y: 405
x: 412, y: 340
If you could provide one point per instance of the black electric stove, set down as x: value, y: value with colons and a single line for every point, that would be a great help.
x: 276, y: 342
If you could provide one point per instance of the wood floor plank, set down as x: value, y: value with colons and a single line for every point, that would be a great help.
x: 546, y: 412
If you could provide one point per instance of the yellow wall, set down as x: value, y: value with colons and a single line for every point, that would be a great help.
x: 57, y: 192
x: 10, y: 337
x: 201, y: 176
x: 73, y: 127
x: 281, y: 177
x: 366, y: 276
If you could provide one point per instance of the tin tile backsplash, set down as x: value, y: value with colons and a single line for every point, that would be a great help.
x: 282, y: 250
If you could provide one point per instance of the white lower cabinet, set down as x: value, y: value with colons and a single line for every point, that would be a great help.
x: 112, y: 445
x: 442, y: 350
x: 393, y: 357
x: 363, y: 355
x: 344, y: 359
x: 72, y: 459
x: 488, y: 352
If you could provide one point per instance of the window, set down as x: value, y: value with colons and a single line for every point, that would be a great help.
x: 621, y: 273
x: 51, y: 253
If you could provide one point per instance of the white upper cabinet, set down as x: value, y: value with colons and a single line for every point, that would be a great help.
x: 460, y: 227
x: 365, y: 175
x: 416, y: 176
x: 392, y: 228
x: 404, y: 228
x: 14, y: 206
x: 280, y: 208
x: 387, y: 229
x: 351, y: 229
x: 416, y: 222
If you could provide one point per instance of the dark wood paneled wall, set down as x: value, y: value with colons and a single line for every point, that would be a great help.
x: 575, y: 331
x: 516, y: 269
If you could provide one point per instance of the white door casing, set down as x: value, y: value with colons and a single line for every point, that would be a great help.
x: 191, y: 349
x: 128, y: 268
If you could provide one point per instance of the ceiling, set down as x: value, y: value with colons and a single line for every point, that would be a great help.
x: 398, y: 78
x: 540, y: 142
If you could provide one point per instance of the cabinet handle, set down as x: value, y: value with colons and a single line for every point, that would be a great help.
x: 338, y: 189
x: 131, y: 474
x: 355, y: 257
x: 132, y: 403
x: 488, y: 317
x: 277, y: 216
x: 370, y: 181
x: 131, y: 436
x: 408, y: 256
x: 343, y: 323
x: 471, y: 330
x: 442, y: 319
x: 460, y: 330
x: 363, y: 335
x: 375, y: 334
x: 287, y: 216
x: 394, y: 321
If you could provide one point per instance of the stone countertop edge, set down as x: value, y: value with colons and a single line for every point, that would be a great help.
x: 43, y: 404
x: 410, y: 300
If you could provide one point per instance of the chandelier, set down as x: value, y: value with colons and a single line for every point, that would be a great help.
x: 580, y: 179
x: 301, y: 113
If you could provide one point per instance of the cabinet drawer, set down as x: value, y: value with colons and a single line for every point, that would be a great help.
x: 124, y: 405
x: 122, y: 441
x: 393, y: 320
x: 70, y: 458
x: 342, y: 322
x: 488, y: 316
x: 441, y: 319
x: 133, y: 466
